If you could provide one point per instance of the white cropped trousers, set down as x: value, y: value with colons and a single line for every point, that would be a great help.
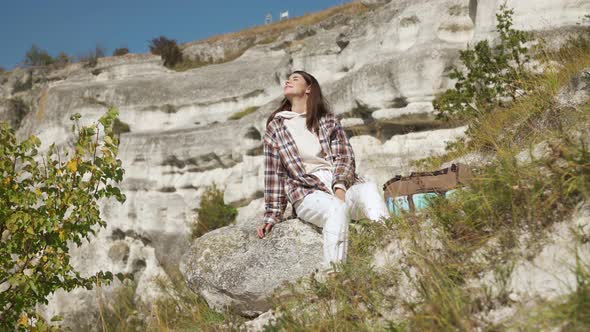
x: 363, y: 200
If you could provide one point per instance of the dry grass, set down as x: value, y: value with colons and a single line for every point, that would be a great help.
x: 529, y: 119
x: 350, y: 301
x: 177, y: 309
x: 270, y: 33
x: 243, y: 113
x: 278, y: 27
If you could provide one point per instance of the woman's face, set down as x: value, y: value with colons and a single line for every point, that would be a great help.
x: 295, y: 85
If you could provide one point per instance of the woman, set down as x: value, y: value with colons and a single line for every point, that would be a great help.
x: 309, y: 161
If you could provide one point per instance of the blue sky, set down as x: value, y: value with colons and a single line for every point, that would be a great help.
x: 75, y: 27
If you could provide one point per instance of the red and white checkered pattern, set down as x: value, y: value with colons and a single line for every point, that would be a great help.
x: 284, y: 174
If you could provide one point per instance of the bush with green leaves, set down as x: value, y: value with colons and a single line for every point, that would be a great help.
x: 213, y: 213
x: 167, y: 49
x: 120, y: 51
x: 47, y: 202
x: 492, y: 74
x: 90, y: 58
x: 36, y: 56
x: 61, y: 60
x: 120, y: 127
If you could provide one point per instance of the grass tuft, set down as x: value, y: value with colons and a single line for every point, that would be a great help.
x: 243, y: 113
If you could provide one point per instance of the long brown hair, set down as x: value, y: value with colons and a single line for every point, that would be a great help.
x: 317, y: 106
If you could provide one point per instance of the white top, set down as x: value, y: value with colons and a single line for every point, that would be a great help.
x: 307, y: 143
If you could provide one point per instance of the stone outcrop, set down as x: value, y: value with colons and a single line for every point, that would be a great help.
x: 232, y: 268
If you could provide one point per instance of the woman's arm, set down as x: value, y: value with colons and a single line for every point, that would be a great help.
x: 275, y: 200
x: 343, y: 164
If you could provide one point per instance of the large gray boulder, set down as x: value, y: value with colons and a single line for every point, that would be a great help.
x: 232, y: 268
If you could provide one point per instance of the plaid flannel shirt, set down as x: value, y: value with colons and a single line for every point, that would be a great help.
x: 284, y: 173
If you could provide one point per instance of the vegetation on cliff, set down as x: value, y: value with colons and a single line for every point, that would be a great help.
x: 48, y: 202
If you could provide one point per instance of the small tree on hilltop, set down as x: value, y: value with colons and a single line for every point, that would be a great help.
x: 46, y: 204
x: 62, y: 59
x: 120, y: 51
x: 90, y: 58
x: 167, y: 49
x: 492, y: 73
x: 35, y: 56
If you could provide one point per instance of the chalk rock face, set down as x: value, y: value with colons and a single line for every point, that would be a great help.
x: 232, y: 267
x: 551, y: 273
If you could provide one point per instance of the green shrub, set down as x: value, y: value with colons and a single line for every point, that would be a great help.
x: 120, y: 127
x: 120, y: 51
x: 213, y: 213
x: 509, y: 197
x: 36, y: 56
x: 167, y: 49
x: 61, y: 60
x: 48, y: 204
x: 177, y: 308
x: 492, y: 73
x: 90, y: 58
x: 121, y: 310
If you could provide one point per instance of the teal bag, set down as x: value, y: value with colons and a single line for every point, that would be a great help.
x: 398, y: 204
x: 415, y: 192
x: 401, y: 203
x: 421, y: 201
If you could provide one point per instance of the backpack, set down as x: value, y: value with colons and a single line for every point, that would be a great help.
x: 414, y: 191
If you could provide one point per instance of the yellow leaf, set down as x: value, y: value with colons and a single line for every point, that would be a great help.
x: 15, y: 186
x: 62, y: 235
x: 23, y: 320
x: 72, y: 165
x: 7, y: 180
x: 38, y: 192
x: 30, y: 230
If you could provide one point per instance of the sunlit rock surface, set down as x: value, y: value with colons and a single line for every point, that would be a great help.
x: 234, y: 269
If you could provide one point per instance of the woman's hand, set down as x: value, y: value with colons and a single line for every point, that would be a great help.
x: 340, y: 193
x: 263, y: 230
